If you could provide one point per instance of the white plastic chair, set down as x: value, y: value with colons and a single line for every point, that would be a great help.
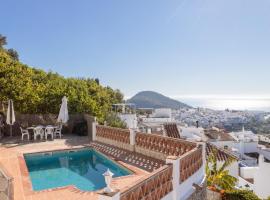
x: 58, y: 131
x: 49, y: 131
x: 38, y: 131
x: 25, y: 132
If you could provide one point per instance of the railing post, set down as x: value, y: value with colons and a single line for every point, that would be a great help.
x: 204, y: 156
x: 175, y: 161
x: 94, y: 130
x: 132, y: 136
x: 109, y: 196
x: 163, y: 131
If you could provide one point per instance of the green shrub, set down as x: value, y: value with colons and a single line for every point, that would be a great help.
x: 240, y: 195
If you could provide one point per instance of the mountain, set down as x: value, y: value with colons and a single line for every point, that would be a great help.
x: 150, y: 99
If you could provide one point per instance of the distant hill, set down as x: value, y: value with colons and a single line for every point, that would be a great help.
x: 150, y: 99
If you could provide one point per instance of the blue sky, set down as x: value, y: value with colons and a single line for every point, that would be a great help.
x: 177, y: 47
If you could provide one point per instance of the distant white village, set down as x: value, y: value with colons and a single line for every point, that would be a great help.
x: 250, y: 151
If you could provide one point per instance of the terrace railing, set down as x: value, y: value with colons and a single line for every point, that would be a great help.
x: 6, y: 185
x: 165, y: 145
x: 116, y: 134
x: 155, y: 187
x: 190, y: 163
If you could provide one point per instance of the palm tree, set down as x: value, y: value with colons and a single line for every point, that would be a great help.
x: 219, y: 178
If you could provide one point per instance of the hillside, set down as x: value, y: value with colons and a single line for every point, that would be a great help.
x: 150, y: 99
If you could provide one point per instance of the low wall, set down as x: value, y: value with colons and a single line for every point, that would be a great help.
x: 190, y: 163
x: 248, y: 172
x: 114, y: 136
x: 185, y: 189
x: 164, y: 145
x: 6, y: 185
x: 157, y: 186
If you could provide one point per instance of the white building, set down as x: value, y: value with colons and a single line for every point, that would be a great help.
x: 160, y: 115
x: 127, y: 113
x: 256, y: 178
x: 192, y: 133
x: 246, y: 142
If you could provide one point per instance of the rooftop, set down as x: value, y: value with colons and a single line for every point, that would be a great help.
x: 222, y: 154
x: 220, y: 135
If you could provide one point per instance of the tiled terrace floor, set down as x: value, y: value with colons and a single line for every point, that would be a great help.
x: 11, y: 159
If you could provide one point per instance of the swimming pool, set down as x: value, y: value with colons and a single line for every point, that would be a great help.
x: 82, y: 168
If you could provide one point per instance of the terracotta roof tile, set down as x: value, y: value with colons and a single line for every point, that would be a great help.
x: 222, y: 154
x: 171, y: 130
x: 218, y: 135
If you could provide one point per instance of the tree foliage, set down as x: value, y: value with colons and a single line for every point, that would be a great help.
x: 219, y: 178
x: 13, y: 54
x: 36, y: 91
x: 3, y: 41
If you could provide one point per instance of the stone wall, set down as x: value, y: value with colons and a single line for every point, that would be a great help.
x: 6, y: 186
x: 211, y: 195
x: 200, y: 193
x: 156, y: 186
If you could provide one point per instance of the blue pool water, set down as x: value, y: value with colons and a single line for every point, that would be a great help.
x: 82, y: 168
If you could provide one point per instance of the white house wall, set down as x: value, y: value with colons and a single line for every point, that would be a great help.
x: 248, y: 172
x: 186, y: 188
x: 261, y: 179
x: 129, y: 119
x: 222, y: 144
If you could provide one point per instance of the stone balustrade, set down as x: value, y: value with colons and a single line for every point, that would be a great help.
x: 157, y: 186
x: 190, y: 163
x: 116, y: 134
x: 164, y: 145
x: 113, y: 136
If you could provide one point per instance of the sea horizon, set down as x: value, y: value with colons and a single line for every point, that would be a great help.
x: 251, y: 103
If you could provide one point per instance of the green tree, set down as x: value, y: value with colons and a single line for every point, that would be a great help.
x: 219, y: 178
x: 36, y: 91
x: 3, y: 41
x: 13, y: 54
